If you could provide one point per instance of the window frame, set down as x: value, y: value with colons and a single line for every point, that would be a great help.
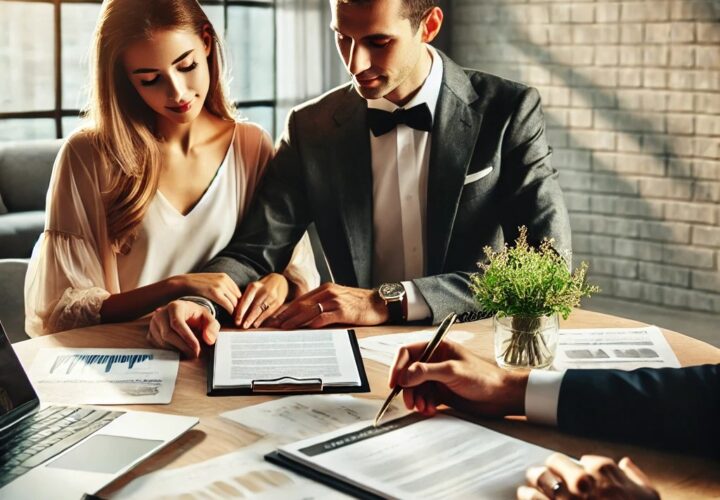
x: 58, y: 113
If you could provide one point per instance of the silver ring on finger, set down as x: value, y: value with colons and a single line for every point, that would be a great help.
x: 264, y: 307
x: 320, y: 308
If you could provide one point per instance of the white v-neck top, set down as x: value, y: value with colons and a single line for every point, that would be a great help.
x: 170, y: 243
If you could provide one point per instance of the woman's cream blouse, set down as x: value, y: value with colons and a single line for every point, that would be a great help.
x: 74, y: 269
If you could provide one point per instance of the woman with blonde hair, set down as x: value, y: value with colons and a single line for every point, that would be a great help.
x: 155, y: 186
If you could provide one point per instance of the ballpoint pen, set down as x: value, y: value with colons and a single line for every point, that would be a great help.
x: 424, y: 358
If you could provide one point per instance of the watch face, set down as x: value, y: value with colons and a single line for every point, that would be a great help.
x: 391, y: 291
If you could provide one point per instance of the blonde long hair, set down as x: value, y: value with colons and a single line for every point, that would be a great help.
x: 123, y: 126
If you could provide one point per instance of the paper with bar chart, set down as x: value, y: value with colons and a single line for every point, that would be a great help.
x: 105, y: 376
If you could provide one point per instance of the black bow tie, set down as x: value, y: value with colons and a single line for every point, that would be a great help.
x: 418, y: 117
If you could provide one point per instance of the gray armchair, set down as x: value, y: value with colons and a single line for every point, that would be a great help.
x: 25, y: 168
x: 12, y: 302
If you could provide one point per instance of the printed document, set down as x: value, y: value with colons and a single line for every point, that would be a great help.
x: 382, y: 348
x: 298, y: 417
x: 414, y: 457
x: 244, y: 357
x: 241, y: 474
x: 621, y: 348
x: 105, y: 376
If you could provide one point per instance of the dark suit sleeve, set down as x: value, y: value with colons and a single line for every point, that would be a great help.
x: 529, y: 195
x: 276, y: 220
x: 672, y: 408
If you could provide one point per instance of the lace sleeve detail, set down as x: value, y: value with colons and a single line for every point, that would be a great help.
x: 77, y: 308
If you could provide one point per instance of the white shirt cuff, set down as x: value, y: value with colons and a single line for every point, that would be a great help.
x: 542, y: 395
x: 417, y: 308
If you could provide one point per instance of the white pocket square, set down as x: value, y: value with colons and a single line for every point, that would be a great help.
x: 478, y: 175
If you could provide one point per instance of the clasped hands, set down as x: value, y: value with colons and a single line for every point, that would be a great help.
x: 181, y: 324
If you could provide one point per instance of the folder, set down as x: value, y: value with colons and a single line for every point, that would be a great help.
x: 284, y: 380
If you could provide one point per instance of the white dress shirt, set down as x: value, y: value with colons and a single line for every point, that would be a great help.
x: 542, y: 396
x: 400, y: 163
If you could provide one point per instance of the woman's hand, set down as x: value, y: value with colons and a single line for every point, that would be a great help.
x: 261, y: 300
x: 218, y: 287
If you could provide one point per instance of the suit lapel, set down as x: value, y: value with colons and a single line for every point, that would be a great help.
x: 455, y: 131
x: 354, y: 183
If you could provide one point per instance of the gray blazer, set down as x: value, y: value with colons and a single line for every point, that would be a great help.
x: 489, y: 173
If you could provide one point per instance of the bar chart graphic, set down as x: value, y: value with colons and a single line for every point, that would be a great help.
x: 76, y: 362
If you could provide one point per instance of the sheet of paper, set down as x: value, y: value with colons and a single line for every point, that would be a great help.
x: 382, y: 348
x: 105, y: 376
x: 621, y: 348
x: 298, y: 417
x: 241, y: 357
x: 241, y: 474
x: 440, y: 457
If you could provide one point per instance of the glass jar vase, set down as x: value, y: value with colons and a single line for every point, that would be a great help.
x: 525, y: 342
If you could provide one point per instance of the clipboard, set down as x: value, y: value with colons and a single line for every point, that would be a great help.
x: 289, y: 385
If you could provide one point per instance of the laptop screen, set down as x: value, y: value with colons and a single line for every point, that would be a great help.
x: 16, y: 391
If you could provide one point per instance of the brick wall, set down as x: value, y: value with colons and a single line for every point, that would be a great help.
x: 631, y: 93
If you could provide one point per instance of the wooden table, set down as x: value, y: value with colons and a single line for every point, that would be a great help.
x: 675, y: 476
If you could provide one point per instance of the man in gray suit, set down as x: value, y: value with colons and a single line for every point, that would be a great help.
x: 408, y: 173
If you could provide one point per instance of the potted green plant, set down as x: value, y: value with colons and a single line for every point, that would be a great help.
x: 525, y: 289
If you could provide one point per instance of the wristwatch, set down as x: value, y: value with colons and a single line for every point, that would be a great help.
x: 393, y: 295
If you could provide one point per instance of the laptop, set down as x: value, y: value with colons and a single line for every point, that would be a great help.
x: 63, y: 451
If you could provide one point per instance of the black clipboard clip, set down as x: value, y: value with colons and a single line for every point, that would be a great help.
x: 287, y: 384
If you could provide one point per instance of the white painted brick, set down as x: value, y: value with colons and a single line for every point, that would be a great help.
x: 683, y: 145
x: 616, y: 226
x: 708, y: 32
x: 655, y: 78
x: 682, y: 56
x: 583, y: 55
x: 615, y: 267
x: 694, y: 10
x: 679, y: 168
x: 707, y: 124
x: 557, y: 138
x: 629, y: 143
x: 582, y: 13
x: 680, y: 101
x: 637, y: 164
x: 706, y: 191
x: 689, y: 212
x: 644, y: 11
x: 682, y: 32
x: 638, y: 249
x: 560, y: 34
x: 613, y: 184
x: 655, y: 56
x: 575, y: 181
x: 577, y: 202
x: 680, y: 124
x: 681, y: 80
x: 637, y: 290
x: 607, y: 56
x: 664, y: 275
x: 670, y: 232
x: 607, y: 12
x: 560, y: 13
x: 706, y: 80
x: 654, y: 100
x: 666, y: 188
x: 604, y: 98
x: 559, y: 96
x: 593, y: 139
x: 581, y: 118
x: 689, y: 257
x: 706, y: 236
x: 707, y: 57
x: 709, y: 281
x: 707, y: 103
x: 573, y: 159
x: 657, y: 32
x: 706, y: 169
x: 707, y: 147
x: 632, y: 207
x: 655, y: 144
x: 631, y: 34
x: 580, y: 223
x: 629, y: 77
x: 690, y: 299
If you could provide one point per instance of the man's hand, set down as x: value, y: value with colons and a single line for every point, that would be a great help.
x: 218, y: 287
x: 329, y: 304
x: 178, y: 325
x: 599, y: 478
x: 458, y: 378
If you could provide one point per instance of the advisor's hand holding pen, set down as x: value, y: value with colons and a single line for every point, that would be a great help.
x: 458, y: 378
